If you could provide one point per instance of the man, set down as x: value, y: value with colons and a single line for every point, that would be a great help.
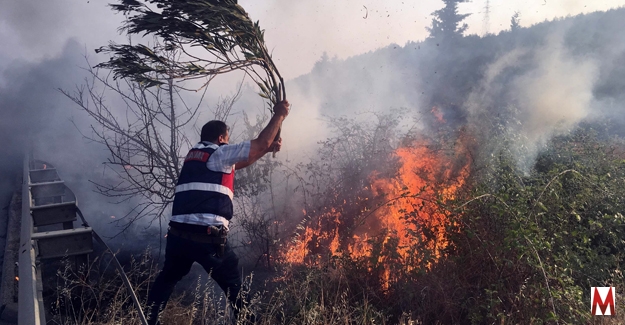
x: 202, y: 209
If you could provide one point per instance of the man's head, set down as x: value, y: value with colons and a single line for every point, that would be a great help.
x: 215, y: 132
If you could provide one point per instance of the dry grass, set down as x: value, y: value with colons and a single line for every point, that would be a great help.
x: 94, y: 294
x: 294, y: 296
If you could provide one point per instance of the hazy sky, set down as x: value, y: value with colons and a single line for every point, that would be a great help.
x: 298, y: 32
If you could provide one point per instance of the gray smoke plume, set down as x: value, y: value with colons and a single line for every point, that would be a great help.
x: 546, y: 91
x: 531, y: 83
x: 31, y: 109
x: 36, y: 118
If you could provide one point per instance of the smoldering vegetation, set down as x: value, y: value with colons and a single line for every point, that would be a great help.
x: 465, y: 180
x: 455, y: 180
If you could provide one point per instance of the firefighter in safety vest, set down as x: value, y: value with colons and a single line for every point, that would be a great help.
x: 202, y: 209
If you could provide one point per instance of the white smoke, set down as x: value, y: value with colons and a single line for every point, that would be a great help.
x: 552, y: 95
x: 557, y: 94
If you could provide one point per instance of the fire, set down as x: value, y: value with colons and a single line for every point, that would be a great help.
x: 396, y: 214
x: 17, y: 278
x: 298, y: 250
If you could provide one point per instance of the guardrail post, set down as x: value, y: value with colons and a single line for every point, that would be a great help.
x: 30, y: 309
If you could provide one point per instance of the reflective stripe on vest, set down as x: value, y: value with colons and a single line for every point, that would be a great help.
x: 205, y: 187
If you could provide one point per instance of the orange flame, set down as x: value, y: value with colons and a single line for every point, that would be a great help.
x: 406, y: 205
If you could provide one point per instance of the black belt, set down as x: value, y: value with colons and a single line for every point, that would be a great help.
x: 198, y: 237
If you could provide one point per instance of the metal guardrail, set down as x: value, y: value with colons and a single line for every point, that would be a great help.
x: 54, y: 204
x: 30, y: 307
x: 46, y: 203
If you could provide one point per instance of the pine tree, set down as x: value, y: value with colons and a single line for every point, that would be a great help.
x: 515, y: 22
x: 447, y: 22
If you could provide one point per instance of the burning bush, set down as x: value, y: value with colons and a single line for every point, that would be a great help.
x: 381, y: 207
x: 514, y: 247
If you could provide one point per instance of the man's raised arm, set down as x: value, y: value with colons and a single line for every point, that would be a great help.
x: 265, y: 140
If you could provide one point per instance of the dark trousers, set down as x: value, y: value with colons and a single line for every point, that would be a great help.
x: 180, y: 253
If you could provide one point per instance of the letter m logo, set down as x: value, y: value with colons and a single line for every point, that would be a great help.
x: 602, y: 297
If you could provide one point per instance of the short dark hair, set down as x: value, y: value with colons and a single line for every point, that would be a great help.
x: 212, y: 130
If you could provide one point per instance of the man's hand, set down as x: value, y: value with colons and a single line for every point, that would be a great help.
x: 275, y: 146
x: 282, y: 108
x: 265, y: 143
